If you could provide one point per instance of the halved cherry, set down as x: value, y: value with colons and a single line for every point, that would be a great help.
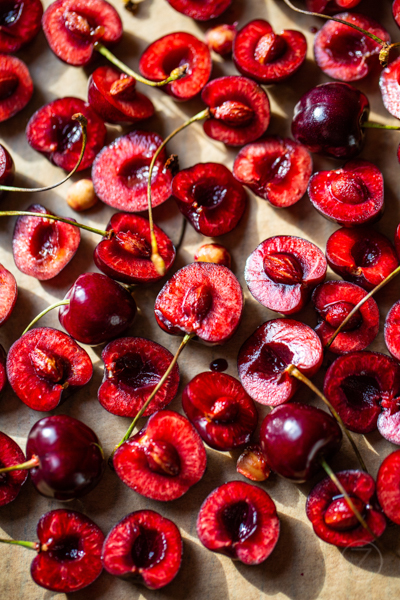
x: 7, y: 168
x: 45, y: 366
x: 16, y: 87
x: 239, y: 108
x: 275, y: 169
x: 42, y: 248
x: 265, y: 355
x: 172, y: 51
x: 3, y: 372
x: 387, y: 486
x: 211, y: 199
x: 396, y: 11
x: 8, y: 294
x: 332, y: 518
x: 267, y: 57
x: 390, y: 86
x: 145, y: 547
x: 126, y: 255
x: 392, y: 330
x: 222, y: 412
x: 20, y: 22
x: 164, y: 459
x: 132, y: 368
x: 121, y: 170
x: 114, y: 97
x: 362, y: 256
x: 282, y: 272
x: 201, y: 11
x: 333, y: 300
x: 204, y: 299
x: 11, y: 482
x: 347, y: 54
x: 72, y: 27
x: 239, y: 520
x: 53, y: 132
x: 351, y: 196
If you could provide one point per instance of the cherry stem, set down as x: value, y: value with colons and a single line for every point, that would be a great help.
x: 44, y: 312
x: 24, y: 213
x: 372, y: 125
x: 385, y: 46
x: 182, y: 234
x: 30, y: 545
x: 294, y: 372
x: 380, y: 285
x: 184, y: 342
x: 156, y: 259
x: 83, y: 123
x: 29, y: 464
x: 177, y: 73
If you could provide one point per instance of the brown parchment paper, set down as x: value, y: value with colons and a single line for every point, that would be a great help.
x: 302, y: 567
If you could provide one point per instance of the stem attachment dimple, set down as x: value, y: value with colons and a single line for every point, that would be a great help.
x: 293, y: 371
x: 156, y: 258
x: 83, y: 123
x: 44, y: 312
x: 176, y: 74
x: 29, y: 464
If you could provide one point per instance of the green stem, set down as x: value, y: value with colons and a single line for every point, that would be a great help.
x: 177, y: 73
x: 372, y: 125
x: 392, y: 275
x: 30, y: 545
x: 155, y: 255
x: 24, y: 213
x: 29, y: 464
x: 44, y: 312
x: 184, y: 342
x: 83, y: 123
x: 294, y: 372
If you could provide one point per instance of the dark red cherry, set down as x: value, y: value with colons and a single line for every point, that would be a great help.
x: 20, y: 22
x: 99, y: 309
x: 330, y: 7
x: 145, y: 547
x: 3, y: 371
x: 11, y: 482
x: 387, y: 486
x: 396, y: 11
x: 8, y: 294
x: 71, y: 461
x: 392, y: 331
x: 296, y: 437
x: 332, y: 518
x: 239, y: 520
x: 201, y: 11
x: 16, y: 87
x: 72, y: 27
x: 328, y: 120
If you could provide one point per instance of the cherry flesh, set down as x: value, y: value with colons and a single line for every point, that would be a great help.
x: 390, y: 87
x: 8, y: 294
x: 145, y: 547
x: 239, y: 520
x: 200, y: 11
x: 387, y: 486
x: 16, y: 87
x: 20, y: 22
x: 11, y: 482
x: 99, y: 309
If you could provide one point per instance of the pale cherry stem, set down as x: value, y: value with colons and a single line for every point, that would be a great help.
x: 391, y: 276
x: 177, y: 73
x: 30, y: 545
x: 24, y: 213
x: 294, y: 372
x: 385, y: 46
x: 155, y: 255
x: 44, y: 312
x: 184, y: 342
x: 83, y: 123
x: 29, y: 464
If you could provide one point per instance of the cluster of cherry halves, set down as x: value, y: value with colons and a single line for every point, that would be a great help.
x: 203, y: 299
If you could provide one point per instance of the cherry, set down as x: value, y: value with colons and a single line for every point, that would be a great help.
x: 16, y: 87
x: 282, y: 272
x: 222, y: 412
x: 163, y: 460
x: 351, y: 196
x: 10, y: 483
x: 345, y: 53
x: 145, y: 547
x: 295, y: 438
x: 330, y: 6
x: 69, y: 551
x: 275, y: 169
x: 390, y: 88
x: 8, y: 294
x: 392, y: 331
x: 210, y: 198
x: 45, y: 366
x: 3, y: 372
x: 220, y: 39
x: 396, y: 11
x: 20, y: 22
x: 7, y: 168
x: 387, y: 486
x: 267, y: 57
x: 132, y: 369
x: 332, y: 518
x: 239, y: 520
x: 201, y: 11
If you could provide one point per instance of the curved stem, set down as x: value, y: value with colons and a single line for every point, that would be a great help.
x: 83, y: 123
x: 182, y: 234
x: 155, y: 255
x: 177, y: 73
x: 24, y: 213
x: 29, y: 464
x: 44, y: 312
x: 184, y: 342
x: 294, y: 372
x: 359, y: 305
x: 30, y: 545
